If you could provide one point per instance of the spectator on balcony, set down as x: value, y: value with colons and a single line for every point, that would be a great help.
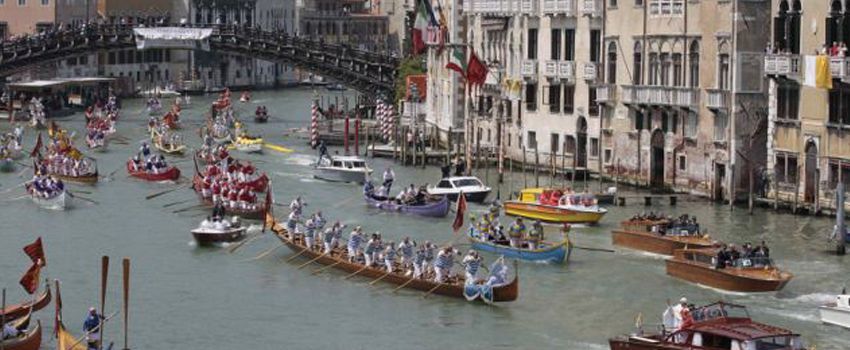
x: 833, y: 50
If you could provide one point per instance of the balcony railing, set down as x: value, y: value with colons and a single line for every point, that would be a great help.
x: 529, y: 68
x: 838, y: 66
x: 528, y: 6
x: 660, y: 96
x: 494, y: 7
x: 606, y: 94
x: 550, y: 70
x: 782, y: 64
x: 717, y: 99
x: 592, y: 8
x: 559, y: 7
x: 567, y: 70
x: 589, y: 71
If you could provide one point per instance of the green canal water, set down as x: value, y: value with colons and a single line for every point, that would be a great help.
x: 185, y: 297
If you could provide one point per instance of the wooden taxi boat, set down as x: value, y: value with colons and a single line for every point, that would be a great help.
x: 454, y: 288
x: 27, y: 340
x: 718, y: 326
x: 657, y: 236
x: 551, y: 205
x: 171, y: 173
x: 745, y: 275
x: 15, y: 311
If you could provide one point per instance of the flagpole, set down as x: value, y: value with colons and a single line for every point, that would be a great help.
x: 468, y: 134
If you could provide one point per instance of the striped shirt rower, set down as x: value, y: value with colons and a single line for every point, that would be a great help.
x: 443, y: 264
x: 472, y: 262
x: 389, y: 256
x: 354, y: 241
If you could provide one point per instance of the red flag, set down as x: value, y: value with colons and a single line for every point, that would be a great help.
x: 30, y: 279
x: 461, y: 211
x: 476, y: 71
x: 37, y: 149
x: 36, y: 252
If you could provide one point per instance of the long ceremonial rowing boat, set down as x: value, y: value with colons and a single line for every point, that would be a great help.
x: 456, y: 288
x: 12, y: 312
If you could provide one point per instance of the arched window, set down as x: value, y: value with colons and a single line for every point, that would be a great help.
x: 723, y: 67
x: 612, y: 63
x: 637, y: 58
x: 693, y: 62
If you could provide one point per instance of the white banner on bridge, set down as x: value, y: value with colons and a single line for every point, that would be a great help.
x: 173, y: 38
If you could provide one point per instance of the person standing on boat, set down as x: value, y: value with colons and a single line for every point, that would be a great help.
x: 323, y: 151
x: 406, y: 250
x: 91, y: 326
x: 368, y: 188
x: 309, y: 233
x: 331, y: 237
x: 145, y: 149
x: 319, y: 220
x: 420, y: 261
x: 354, y: 241
x: 498, y: 273
x: 292, y: 223
x: 471, y: 263
x: 443, y: 264
x: 371, y: 249
x: 429, y: 257
x: 296, y: 206
x: 517, y: 233
x: 389, y: 177
x: 389, y: 256
x: 535, y: 235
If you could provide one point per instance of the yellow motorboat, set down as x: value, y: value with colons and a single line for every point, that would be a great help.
x: 248, y: 144
x: 555, y: 206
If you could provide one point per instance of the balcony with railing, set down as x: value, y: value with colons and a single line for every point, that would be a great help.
x: 559, y: 7
x: 606, y: 94
x: 838, y: 66
x: 567, y: 70
x: 550, y: 69
x: 528, y: 6
x: 492, y: 7
x: 664, y: 96
x: 717, y: 99
x: 592, y: 8
x: 782, y: 65
x: 529, y: 68
x: 589, y: 71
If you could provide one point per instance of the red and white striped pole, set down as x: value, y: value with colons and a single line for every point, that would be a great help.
x: 345, y: 135
x: 314, y: 125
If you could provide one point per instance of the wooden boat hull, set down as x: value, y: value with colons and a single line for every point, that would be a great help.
x: 259, y: 185
x: 553, y: 214
x: 504, y: 293
x: 205, y: 238
x: 437, y: 209
x: 89, y: 179
x: 258, y: 214
x: 172, y: 173
x: 655, y: 243
x: 16, y: 311
x: 721, y: 278
x: 30, y: 341
x: 558, y: 253
x: 623, y: 343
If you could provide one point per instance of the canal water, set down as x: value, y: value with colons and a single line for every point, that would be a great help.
x: 185, y: 297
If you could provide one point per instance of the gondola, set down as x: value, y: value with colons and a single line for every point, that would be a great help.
x: 171, y: 173
x: 547, y: 252
x: 28, y: 340
x: 456, y: 288
x: 437, y: 209
x: 20, y: 310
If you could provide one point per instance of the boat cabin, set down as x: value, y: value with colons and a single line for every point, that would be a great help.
x: 459, y: 182
x: 351, y: 163
x: 729, y: 327
x: 555, y: 197
x: 709, y: 257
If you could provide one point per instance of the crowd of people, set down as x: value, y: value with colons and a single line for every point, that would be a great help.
x: 420, y: 261
x: 45, y: 186
x: 232, y: 184
x: 147, y: 161
x: 410, y: 195
x: 10, y: 144
x: 488, y: 228
x: 748, y: 256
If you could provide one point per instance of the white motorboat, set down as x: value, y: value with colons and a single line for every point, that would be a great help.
x: 342, y: 169
x: 219, y: 231
x: 473, y: 189
x: 838, y: 312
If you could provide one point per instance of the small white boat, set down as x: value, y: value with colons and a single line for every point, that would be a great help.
x: 342, y: 169
x: 57, y: 202
x: 473, y: 189
x: 838, y: 312
x: 220, y: 231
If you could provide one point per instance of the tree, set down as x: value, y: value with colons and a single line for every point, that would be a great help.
x: 409, y: 66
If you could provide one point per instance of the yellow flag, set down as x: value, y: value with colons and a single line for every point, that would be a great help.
x: 66, y: 341
x: 823, y: 77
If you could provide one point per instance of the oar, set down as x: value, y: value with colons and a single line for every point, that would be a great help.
x: 199, y: 206
x: 263, y: 254
x: 432, y: 290
x: 356, y: 272
x: 396, y: 289
x: 126, y: 274
x: 17, y: 198
x: 152, y: 196
x: 327, y: 267
x: 311, y: 261
x: 379, y: 278
x: 296, y: 255
x: 280, y: 149
x: 81, y: 198
x: 83, y: 192
x: 595, y: 249
x: 177, y: 202
x: 243, y: 242
x: 14, y: 187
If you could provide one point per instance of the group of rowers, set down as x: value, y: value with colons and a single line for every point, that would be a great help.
x: 45, y: 186
x: 230, y: 185
x: 66, y: 165
x: 150, y: 163
x: 407, y: 196
x: 10, y: 144
x: 407, y: 257
x: 519, y: 235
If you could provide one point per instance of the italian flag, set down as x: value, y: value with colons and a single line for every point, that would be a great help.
x: 457, y: 61
x: 424, y: 19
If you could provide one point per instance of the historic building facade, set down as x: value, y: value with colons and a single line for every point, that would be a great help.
x: 808, y: 154
x: 357, y: 23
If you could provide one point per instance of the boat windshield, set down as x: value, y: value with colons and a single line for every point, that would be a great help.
x: 778, y: 342
x: 359, y: 164
x: 444, y: 184
x: 718, y: 311
x: 753, y: 262
x: 337, y: 164
x: 467, y: 182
